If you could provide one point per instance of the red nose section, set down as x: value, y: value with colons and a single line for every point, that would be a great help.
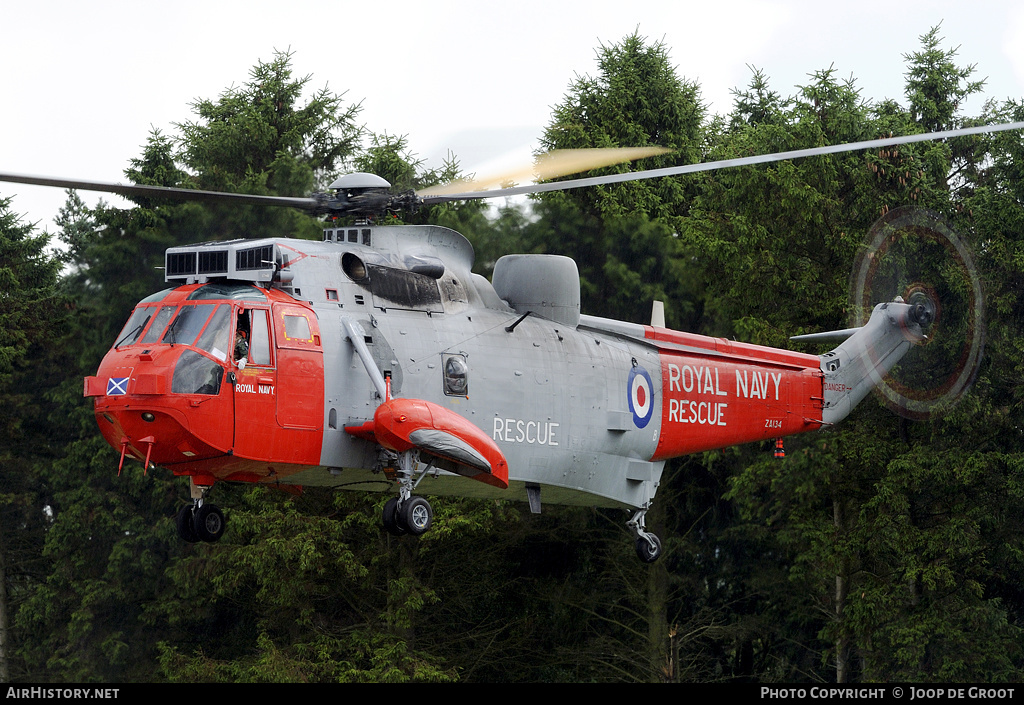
x: 404, y: 424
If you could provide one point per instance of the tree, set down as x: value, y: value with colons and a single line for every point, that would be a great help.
x: 883, y: 549
x: 624, y: 239
x: 259, y: 139
x: 936, y: 86
x: 636, y: 100
x: 32, y: 318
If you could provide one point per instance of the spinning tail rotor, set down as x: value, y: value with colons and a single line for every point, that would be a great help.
x: 913, y: 253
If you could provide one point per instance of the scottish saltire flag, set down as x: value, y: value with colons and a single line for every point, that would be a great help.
x: 117, y: 385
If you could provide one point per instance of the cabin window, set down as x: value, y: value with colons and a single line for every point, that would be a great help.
x: 456, y: 375
x: 297, y: 328
x: 259, y: 347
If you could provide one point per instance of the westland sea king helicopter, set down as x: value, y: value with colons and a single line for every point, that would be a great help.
x: 376, y: 359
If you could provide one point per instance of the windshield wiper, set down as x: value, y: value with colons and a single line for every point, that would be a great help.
x: 134, y: 331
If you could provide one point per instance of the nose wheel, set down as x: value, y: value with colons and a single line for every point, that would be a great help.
x: 203, y: 523
x: 200, y: 521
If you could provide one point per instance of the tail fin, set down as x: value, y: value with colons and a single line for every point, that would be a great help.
x: 658, y: 314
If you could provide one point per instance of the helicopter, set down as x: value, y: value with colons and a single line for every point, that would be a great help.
x: 376, y: 359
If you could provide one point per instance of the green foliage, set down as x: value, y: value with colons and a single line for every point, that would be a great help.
x: 896, y: 540
x: 936, y: 86
x: 259, y: 136
x: 260, y: 139
x: 27, y: 282
x: 32, y: 334
x: 636, y: 100
x: 297, y: 591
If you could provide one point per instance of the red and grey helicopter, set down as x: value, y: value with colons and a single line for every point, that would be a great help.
x: 376, y: 359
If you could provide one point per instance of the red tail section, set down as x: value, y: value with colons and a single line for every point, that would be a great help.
x: 718, y: 393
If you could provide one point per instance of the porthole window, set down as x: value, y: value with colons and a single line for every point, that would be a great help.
x: 456, y: 375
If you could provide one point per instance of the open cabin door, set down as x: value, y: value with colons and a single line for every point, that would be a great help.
x: 279, y: 394
x: 255, y: 389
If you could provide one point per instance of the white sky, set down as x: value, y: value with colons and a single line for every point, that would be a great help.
x: 83, y: 83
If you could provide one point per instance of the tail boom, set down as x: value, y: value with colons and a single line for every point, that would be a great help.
x: 860, y: 364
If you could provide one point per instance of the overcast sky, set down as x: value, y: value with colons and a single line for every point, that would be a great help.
x: 83, y: 83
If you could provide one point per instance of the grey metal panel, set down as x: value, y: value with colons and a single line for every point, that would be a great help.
x: 545, y: 285
x: 544, y: 392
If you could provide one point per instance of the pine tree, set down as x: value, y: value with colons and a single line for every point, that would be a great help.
x: 32, y: 320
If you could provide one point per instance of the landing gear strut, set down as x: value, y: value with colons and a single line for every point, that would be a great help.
x: 200, y: 521
x: 648, y: 545
x: 406, y: 513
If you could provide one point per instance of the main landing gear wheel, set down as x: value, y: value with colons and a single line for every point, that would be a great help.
x: 648, y: 545
x: 407, y: 514
x: 389, y: 517
x: 412, y: 516
x: 914, y: 253
x: 416, y: 515
x: 205, y: 523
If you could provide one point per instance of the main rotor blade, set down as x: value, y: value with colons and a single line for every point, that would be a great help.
x: 722, y: 164
x: 177, y: 194
x: 550, y: 165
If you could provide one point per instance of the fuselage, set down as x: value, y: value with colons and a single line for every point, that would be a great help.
x: 586, y: 408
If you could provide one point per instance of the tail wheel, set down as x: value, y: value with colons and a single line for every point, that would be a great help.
x: 648, y: 550
x: 416, y: 515
x: 209, y: 523
x: 914, y: 253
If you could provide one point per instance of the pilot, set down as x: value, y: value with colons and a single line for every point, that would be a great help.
x: 241, y: 345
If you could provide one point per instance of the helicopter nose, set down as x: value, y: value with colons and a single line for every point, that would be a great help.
x: 156, y: 434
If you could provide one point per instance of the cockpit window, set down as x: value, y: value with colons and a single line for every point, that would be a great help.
x: 135, y: 325
x: 214, y: 339
x: 158, y: 296
x: 156, y: 330
x: 186, y: 325
x: 196, y: 374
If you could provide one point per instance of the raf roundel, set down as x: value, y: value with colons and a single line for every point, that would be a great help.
x: 640, y: 394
